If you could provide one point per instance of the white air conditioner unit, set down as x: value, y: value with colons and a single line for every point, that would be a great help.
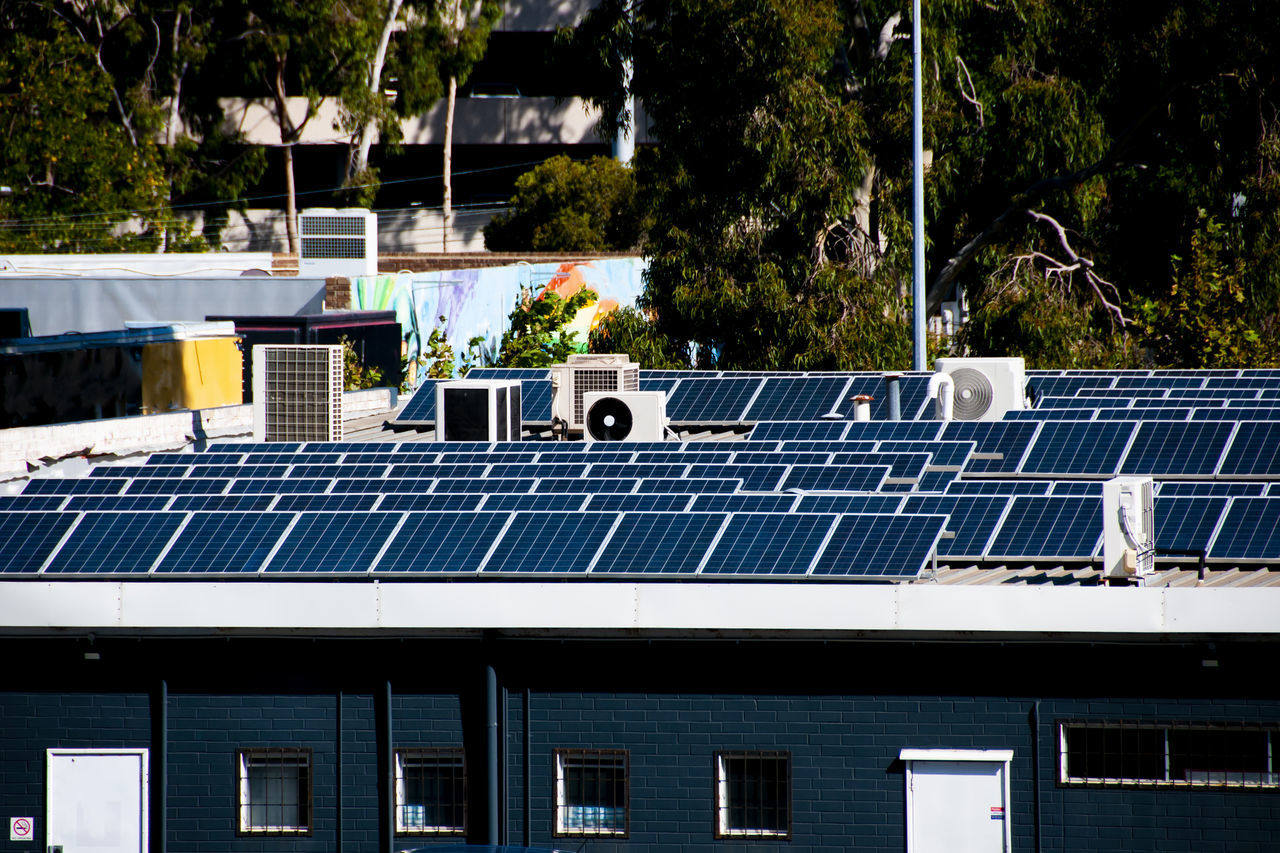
x: 582, y: 374
x: 1128, y: 527
x: 297, y: 392
x: 478, y: 410
x: 625, y: 415
x: 985, y: 388
x: 337, y: 242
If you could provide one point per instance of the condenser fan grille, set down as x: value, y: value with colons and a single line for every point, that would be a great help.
x: 609, y: 419
x: 973, y: 393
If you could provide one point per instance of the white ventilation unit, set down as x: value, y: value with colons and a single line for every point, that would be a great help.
x: 985, y: 388
x: 625, y: 415
x: 582, y: 374
x: 338, y: 242
x: 297, y: 392
x: 1128, y: 527
x: 478, y: 410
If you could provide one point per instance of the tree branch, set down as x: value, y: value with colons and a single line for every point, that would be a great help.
x: 972, y: 95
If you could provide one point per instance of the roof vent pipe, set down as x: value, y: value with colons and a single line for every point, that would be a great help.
x: 893, y: 399
x: 942, y: 389
x: 862, y: 407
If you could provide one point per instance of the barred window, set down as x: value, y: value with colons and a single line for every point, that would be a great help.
x: 431, y: 791
x: 591, y: 792
x: 1113, y: 753
x: 274, y: 791
x: 753, y: 795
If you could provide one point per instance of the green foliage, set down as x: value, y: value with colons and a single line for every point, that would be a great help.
x: 628, y: 330
x: 355, y: 375
x: 536, y: 336
x: 437, y: 356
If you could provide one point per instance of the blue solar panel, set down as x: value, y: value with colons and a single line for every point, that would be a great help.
x: 797, y: 399
x: 1193, y: 489
x: 734, y: 446
x: 615, y: 470
x: 402, y: 485
x: 900, y: 464
x: 1250, y: 530
x: 836, y: 478
x: 768, y: 544
x: 206, y: 457
x: 1255, y: 451
x: 117, y: 503
x: 1064, y: 386
x: 1025, y: 415
x: 313, y: 458
x: 911, y: 392
x: 459, y: 447
x: 943, y: 453
x: 1049, y: 528
x: 221, y: 503
x: 678, y: 374
x: 671, y: 457
x: 688, y: 486
x: 1048, y: 406
x: 935, y: 481
x: 433, y: 470
x: 509, y: 373
x: 579, y: 458
x: 421, y: 407
x: 829, y: 447
x: 1009, y: 439
x: 658, y: 542
x: 711, y: 400
x: 539, y: 469
x: 585, y: 485
x: 256, y: 447
x: 880, y: 547
x: 639, y: 503
x: 79, y: 486
x: 1078, y: 448
x: 1187, y: 523
x: 973, y: 520
x: 185, y: 486
x: 550, y: 543
x: 779, y: 457
x: 427, y: 503
x: 1237, y: 413
x: 1159, y: 382
x: 743, y: 503
x: 32, y: 503
x: 333, y: 542
x: 999, y: 487
x: 894, y: 431
x: 490, y: 485
x: 1203, y: 394
x: 276, y: 487
x: 1176, y: 448
x: 1085, y: 488
x: 755, y: 478
x: 442, y: 542
x: 1111, y: 393
x: 535, y: 400
x: 325, y: 503
x: 27, y: 539
x: 876, y: 504
x: 224, y: 542
x: 472, y: 458
x: 329, y: 472
x: 596, y: 449
x: 141, y: 470
x: 247, y: 470
x: 556, y: 502
x: 1171, y: 414
x: 114, y: 543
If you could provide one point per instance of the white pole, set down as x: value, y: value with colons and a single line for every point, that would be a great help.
x: 917, y: 186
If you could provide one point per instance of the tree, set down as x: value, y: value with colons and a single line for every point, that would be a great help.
x: 536, y: 336
x: 567, y: 206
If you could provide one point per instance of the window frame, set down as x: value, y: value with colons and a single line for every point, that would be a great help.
x: 460, y: 763
x: 722, y: 804
x: 599, y: 758
x: 303, y: 758
x: 1269, y: 777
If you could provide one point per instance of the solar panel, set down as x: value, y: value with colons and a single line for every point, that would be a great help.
x: 652, y: 384
x: 1063, y: 386
x: 1237, y: 413
x: 247, y: 470
x: 877, y: 504
x: 639, y: 503
x: 1187, y: 523
x: 489, y: 485
x: 1254, y: 451
x: 442, y: 542
x: 184, y: 486
x: 535, y: 400
x: 880, y: 547
x: 421, y: 407
x: 797, y: 399
x: 115, y: 543
x: 538, y: 469
x: 658, y: 542
x: 255, y: 447
x: 935, y: 481
x: 1209, y: 393
x: 276, y: 487
x: 894, y: 431
x: 427, y: 503
x: 779, y: 457
x: 1159, y: 382
x: 735, y: 446
x: 1193, y: 489
x: 587, y: 485
x: 26, y: 539
x: 458, y: 447
x: 597, y: 448
x: 1250, y: 530
x: 900, y: 464
x: 333, y: 542
x: 1127, y: 393
x: 836, y: 478
x: 681, y: 457
x: 1008, y: 439
x: 711, y: 400
x: 973, y: 519
x: 1046, y: 404
x: 755, y: 478
x: 1060, y: 414
x: 205, y: 457
x: 768, y: 544
x: 555, y: 502
x: 911, y: 394
x: 571, y: 458
x: 615, y: 470
x: 391, y: 485
x: 433, y: 470
x: 329, y: 472
x: 1084, y: 488
x: 32, y: 503
x: 539, y: 542
x: 78, y: 486
x: 224, y: 542
x: 117, y: 503
x: 325, y: 503
x: 1145, y: 413
x: 1176, y: 448
x: 943, y: 453
x: 828, y: 447
x: 221, y: 503
x: 1049, y: 528
x: 739, y: 502
x: 999, y: 487
x: 678, y: 374
x: 689, y: 485
x: 131, y: 471
x: 1077, y: 448
x: 471, y: 458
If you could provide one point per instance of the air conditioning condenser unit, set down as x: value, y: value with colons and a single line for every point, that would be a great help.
x: 584, y: 373
x: 1128, y: 527
x: 985, y: 388
x: 297, y: 392
x: 478, y: 410
x: 625, y: 415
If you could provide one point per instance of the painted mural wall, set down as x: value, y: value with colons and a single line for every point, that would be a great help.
x: 477, y: 302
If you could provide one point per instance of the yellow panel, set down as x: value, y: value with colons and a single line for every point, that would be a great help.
x: 197, y: 374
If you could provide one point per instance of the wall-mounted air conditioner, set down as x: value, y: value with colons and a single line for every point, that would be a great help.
x: 1128, y: 527
x: 478, y: 410
x: 625, y: 415
x: 297, y: 392
x: 582, y: 374
x: 985, y: 388
x: 337, y: 242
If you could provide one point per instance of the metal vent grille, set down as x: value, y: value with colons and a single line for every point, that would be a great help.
x: 600, y: 379
x: 1147, y: 548
x: 333, y: 247
x: 332, y: 226
x: 299, y: 392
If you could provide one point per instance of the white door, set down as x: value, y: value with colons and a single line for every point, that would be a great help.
x: 97, y: 801
x: 957, y: 800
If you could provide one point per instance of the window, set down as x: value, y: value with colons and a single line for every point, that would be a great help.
x: 1174, y: 754
x: 275, y: 791
x: 753, y: 795
x: 431, y: 792
x: 591, y: 792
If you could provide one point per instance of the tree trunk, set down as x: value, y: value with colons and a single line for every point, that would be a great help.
x: 290, y: 202
x: 171, y: 122
x: 448, y: 162
x: 358, y: 160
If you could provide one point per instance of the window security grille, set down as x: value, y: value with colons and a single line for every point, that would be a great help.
x: 753, y: 795
x: 431, y: 791
x: 1116, y: 753
x: 275, y: 791
x: 592, y: 792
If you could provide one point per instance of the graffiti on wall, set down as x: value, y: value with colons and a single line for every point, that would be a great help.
x: 477, y: 302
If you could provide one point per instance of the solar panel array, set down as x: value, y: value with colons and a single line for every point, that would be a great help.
x: 806, y: 496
